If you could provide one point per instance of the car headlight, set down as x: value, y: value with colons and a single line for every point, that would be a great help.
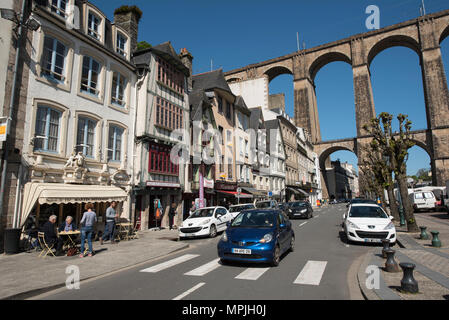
x: 224, y: 237
x: 389, y: 226
x: 303, y: 210
x: 266, y: 238
x: 206, y: 222
x: 352, y: 225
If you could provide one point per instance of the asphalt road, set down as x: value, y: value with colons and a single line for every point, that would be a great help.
x: 317, y: 269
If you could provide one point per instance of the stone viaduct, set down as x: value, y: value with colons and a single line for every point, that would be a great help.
x: 423, y: 35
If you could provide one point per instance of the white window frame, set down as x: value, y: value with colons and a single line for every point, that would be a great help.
x: 84, y: 143
x: 115, y: 99
x: 114, y: 146
x: 54, y: 54
x: 46, y: 134
x: 96, y: 34
x: 89, y: 79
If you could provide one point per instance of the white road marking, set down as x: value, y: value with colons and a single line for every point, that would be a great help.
x: 311, y: 273
x: 302, y: 224
x: 170, y: 263
x: 252, y: 273
x: 206, y: 268
x: 199, y: 285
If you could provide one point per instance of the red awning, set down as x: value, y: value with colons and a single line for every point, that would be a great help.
x: 234, y: 193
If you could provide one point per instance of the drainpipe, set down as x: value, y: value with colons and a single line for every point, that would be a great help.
x: 11, y: 109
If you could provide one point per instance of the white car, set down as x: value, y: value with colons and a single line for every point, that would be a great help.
x: 368, y: 223
x: 423, y: 200
x: 236, y: 209
x: 205, y: 222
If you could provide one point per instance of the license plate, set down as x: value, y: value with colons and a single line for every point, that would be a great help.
x: 373, y: 240
x: 241, y: 251
x: 190, y: 235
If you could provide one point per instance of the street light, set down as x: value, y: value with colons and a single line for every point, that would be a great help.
x: 15, y: 17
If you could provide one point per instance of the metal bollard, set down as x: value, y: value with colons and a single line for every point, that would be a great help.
x: 390, y: 264
x: 424, y: 235
x: 408, y: 283
x: 435, y: 241
x: 386, y: 244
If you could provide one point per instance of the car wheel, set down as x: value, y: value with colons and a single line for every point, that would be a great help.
x: 181, y: 238
x: 277, y: 256
x: 223, y: 261
x: 292, y: 244
x: 213, y: 231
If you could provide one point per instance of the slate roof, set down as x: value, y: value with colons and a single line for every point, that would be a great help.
x: 211, y: 80
x: 254, y: 118
x: 196, y: 100
x: 165, y: 51
x: 240, y: 102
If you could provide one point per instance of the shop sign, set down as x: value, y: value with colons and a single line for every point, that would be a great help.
x: 208, y: 183
x: 3, y: 129
x: 163, y: 184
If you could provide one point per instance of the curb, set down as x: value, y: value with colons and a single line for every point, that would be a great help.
x: 35, y: 292
x: 361, y: 277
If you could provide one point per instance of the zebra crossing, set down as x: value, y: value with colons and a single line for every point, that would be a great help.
x: 310, y: 274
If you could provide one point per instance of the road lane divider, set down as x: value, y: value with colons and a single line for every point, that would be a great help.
x: 312, y: 273
x: 185, y: 294
x: 170, y: 263
x: 302, y: 224
x: 252, y: 273
x: 204, y: 269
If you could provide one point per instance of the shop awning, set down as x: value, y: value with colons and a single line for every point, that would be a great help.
x: 234, y: 193
x: 255, y: 192
x: 59, y: 193
x: 298, y: 191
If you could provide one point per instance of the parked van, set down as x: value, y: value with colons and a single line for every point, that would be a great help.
x: 423, y: 200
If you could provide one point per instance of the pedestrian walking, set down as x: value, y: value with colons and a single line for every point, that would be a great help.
x: 109, y: 229
x: 171, y: 215
x: 87, y: 228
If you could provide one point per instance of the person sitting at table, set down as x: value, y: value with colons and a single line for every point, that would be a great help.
x: 51, y: 238
x: 68, y: 225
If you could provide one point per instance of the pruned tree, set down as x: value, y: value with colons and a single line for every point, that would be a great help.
x: 375, y: 166
x: 394, y: 148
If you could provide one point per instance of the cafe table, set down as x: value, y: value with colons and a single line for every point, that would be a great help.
x: 68, y: 236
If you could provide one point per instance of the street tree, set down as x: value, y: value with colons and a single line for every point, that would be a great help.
x: 394, y: 147
x: 380, y: 173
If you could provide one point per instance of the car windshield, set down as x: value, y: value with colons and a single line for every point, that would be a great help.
x: 264, y: 204
x: 297, y: 204
x: 255, y: 219
x: 367, y: 212
x: 240, y: 208
x: 203, y: 213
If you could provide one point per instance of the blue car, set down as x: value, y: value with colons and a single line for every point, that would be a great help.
x: 257, y: 236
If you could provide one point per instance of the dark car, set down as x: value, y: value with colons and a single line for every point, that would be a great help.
x: 285, y: 208
x: 361, y: 200
x: 259, y: 235
x: 300, y: 209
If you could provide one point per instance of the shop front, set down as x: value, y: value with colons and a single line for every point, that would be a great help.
x: 225, y: 193
x: 41, y: 200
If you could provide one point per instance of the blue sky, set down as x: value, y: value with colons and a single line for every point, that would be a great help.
x: 235, y: 33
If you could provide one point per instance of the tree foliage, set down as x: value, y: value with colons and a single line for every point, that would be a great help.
x: 142, y: 45
x: 394, y: 150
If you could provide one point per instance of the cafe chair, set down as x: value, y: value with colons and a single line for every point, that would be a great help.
x: 46, y: 249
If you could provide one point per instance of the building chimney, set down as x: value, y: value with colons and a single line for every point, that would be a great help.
x: 128, y: 18
x: 187, y: 60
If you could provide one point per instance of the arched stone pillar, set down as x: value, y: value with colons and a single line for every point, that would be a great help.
x: 437, y: 100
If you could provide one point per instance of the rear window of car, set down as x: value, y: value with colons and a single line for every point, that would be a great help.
x: 266, y: 204
x: 428, y: 195
x: 419, y: 196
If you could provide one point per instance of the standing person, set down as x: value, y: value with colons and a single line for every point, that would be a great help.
x: 192, y: 208
x: 87, y: 228
x: 109, y: 228
x: 171, y: 215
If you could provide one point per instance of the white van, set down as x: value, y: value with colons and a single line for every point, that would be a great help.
x: 423, y: 200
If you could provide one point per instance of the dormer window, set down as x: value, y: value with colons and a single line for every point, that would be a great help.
x: 59, y: 7
x: 93, y: 26
x: 121, y: 44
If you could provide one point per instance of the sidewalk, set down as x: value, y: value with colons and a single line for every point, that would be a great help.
x: 432, y: 265
x: 26, y: 274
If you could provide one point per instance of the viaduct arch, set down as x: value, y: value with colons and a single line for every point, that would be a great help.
x: 423, y: 35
